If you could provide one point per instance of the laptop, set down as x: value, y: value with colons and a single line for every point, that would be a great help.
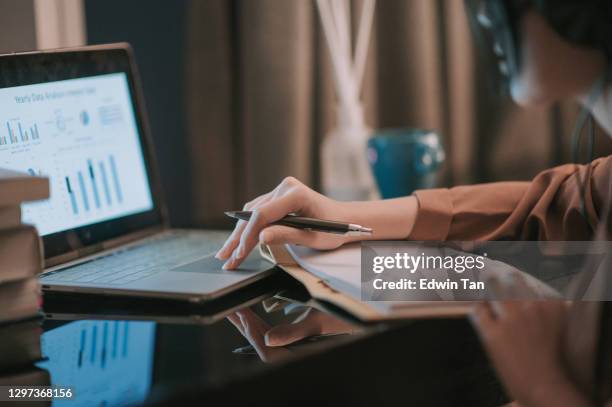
x: 77, y: 116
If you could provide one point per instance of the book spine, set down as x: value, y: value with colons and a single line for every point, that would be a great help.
x: 21, y: 345
x: 10, y: 217
x: 30, y: 376
x: 19, y: 300
x: 21, y: 253
x: 18, y: 188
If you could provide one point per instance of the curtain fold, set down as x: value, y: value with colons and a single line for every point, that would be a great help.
x: 212, y: 109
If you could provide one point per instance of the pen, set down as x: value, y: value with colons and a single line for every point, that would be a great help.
x: 312, y: 224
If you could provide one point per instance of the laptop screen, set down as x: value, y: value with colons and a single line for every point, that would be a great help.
x: 76, y: 117
x: 82, y: 134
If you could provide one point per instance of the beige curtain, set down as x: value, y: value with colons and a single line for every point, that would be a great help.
x: 261, y: 99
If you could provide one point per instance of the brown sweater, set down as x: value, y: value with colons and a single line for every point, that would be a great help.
x: 547, y: 208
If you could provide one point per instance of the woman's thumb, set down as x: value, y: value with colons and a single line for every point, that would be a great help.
x: 283, y: 234
x: 282, y: 335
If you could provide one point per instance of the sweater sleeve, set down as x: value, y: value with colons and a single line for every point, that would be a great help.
x: 547, y: 208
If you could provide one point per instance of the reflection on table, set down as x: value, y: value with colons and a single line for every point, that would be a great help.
x: 106, y: 362
x: 249, y: 349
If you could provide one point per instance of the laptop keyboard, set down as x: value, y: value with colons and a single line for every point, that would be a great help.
x: 137, y: 262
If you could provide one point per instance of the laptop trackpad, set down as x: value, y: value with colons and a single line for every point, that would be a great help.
x: 213, y: 266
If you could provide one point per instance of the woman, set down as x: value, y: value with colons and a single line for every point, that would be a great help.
x: 547, y: 208
x: 547, y: 51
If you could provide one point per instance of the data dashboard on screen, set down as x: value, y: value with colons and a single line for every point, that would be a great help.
x: 82, y: 134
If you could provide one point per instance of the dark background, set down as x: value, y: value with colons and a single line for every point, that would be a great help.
x: 157, y: 30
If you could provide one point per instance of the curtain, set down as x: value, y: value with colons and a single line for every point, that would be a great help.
x: 261, y: 99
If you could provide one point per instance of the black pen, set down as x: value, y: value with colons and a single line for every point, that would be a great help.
x: 312, y: 224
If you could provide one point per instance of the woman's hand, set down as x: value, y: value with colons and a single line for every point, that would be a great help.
x: 290, y: 196
x: 390, y: 219
x: 270, y: 341
x: 523, y: 340
x: 254, y: 329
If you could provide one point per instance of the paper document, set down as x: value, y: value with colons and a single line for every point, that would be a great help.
x: 340, y: 268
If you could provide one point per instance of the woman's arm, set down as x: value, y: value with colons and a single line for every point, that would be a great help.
x: 547, y: 208
x: 523, y: 341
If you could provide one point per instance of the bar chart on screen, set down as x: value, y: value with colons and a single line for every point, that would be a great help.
x: 17, y: 133
x: 83, y: 189
x: 82, y: 134
x: 94, y: 187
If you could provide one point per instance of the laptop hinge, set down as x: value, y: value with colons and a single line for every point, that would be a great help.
x: 86, y: 251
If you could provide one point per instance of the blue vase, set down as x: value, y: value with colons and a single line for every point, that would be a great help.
x: 404, y: 160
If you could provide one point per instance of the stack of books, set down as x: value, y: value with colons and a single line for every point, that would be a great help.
x: 21, y: 260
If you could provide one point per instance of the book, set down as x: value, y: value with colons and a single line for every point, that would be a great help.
x: 17, y: 187
x: 29, y: 376
x: 10, y: 216
x: 333, y: 280
x: 21, y: 253
x: 19, y: 300
x: 20, y: 344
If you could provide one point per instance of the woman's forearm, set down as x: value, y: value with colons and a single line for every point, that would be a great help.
x: 543, y: 209
x: 391, y: 219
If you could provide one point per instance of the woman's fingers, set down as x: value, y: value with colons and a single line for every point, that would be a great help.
x: 283, y: 234
x: 254, y: 329
x: 310, y: 323
x: 235, y: 320
x: 286, y: 334
x: 261, y: 217
x: 304, y: 327
x: 234, y: 239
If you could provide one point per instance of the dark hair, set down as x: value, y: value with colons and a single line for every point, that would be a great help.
x: 583, y: 22
x: 587, y: 23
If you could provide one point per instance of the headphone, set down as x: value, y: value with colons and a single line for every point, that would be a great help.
x: 496, y: 24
